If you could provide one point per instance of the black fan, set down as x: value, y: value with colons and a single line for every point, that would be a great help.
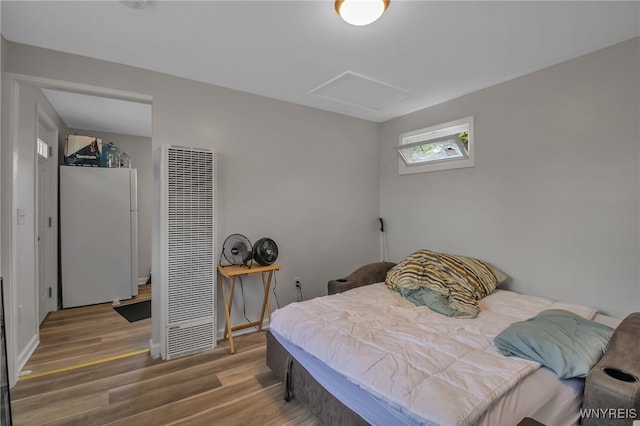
x: 265, y: 251
x: 237, y: 250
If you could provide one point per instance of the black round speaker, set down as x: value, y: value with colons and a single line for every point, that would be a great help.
x: 265, y: 251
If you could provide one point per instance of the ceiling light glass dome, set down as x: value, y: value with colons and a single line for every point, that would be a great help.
x: 361, y: 12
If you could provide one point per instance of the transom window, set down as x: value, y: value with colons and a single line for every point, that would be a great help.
x: 441, y: 147
x: 43, y: 148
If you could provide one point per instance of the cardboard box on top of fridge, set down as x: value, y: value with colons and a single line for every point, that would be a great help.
x: 82, y: 151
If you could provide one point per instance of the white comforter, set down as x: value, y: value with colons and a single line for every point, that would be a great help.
x: 436, y: 369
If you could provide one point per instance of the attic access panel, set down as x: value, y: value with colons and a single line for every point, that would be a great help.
x: 357, y: 89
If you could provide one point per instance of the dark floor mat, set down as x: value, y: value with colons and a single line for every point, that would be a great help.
x: 135, y: 311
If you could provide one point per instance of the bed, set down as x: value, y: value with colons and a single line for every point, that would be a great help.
x: 320, y: 375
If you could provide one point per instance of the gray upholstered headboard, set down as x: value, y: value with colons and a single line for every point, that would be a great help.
x: 368, y: 274
x: 614, y: 382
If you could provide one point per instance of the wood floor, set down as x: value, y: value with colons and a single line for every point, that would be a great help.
x: 76, y: 336
x: 78, y: 377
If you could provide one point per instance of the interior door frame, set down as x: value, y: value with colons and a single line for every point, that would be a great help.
x: 13, y: 81
x: 52, y: 268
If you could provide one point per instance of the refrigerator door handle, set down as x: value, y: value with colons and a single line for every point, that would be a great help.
x: 134, y: 253
x: 133, y: 180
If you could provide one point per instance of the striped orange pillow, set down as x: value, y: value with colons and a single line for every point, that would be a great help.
x: 462, y: 280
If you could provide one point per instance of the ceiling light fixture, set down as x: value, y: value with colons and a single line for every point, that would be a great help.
x: 361, y: 12
x: 135, y: 4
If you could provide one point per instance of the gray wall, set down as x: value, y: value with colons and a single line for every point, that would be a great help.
x: 304, y: 177
x: 553, y: 198
x: 19, y: 240
x: 139, y: 150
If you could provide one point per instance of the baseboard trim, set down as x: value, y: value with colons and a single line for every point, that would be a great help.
x: 142, y: 280
x: 24, y: 356
x: 154, y: 349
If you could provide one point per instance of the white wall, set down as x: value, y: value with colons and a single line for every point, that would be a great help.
x: 5, y: 294
x: 19, y: 239
x: 5, y: 222
x: 2, y: 61
x: 304, y: 177
x: 554, y: 197
x: 139, y: 150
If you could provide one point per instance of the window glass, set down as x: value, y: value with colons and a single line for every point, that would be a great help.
x: 441, y: 147
x: 43, y: 148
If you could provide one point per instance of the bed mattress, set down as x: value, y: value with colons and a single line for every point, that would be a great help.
x: 385, y: 384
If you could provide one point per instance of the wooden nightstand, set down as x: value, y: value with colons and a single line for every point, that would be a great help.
x: 228, y: 275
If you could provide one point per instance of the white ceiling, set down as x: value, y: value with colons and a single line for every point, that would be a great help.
x: 100, y: 114
x: 418, y: 54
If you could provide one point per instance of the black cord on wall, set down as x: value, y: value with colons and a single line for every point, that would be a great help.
x: 244, y: 307
x: 275, y: 284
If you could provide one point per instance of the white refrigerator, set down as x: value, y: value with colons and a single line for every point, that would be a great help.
x: 98, y: 235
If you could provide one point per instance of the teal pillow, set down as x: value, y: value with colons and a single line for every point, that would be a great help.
x: 567, y: 343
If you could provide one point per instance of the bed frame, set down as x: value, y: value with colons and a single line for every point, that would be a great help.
x: 614, y: 381
x: 298, y: 382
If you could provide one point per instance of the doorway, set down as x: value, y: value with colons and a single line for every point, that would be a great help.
x: 31, y: 196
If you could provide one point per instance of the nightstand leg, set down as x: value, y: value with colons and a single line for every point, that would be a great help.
x: 267, y: 292
x: 227, y: 313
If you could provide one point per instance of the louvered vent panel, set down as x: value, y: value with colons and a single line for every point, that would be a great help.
x: 190, y: 279
x: 191, y: 338
x: 190, y: 233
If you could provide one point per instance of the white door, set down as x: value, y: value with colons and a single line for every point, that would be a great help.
x: 43, y: 142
